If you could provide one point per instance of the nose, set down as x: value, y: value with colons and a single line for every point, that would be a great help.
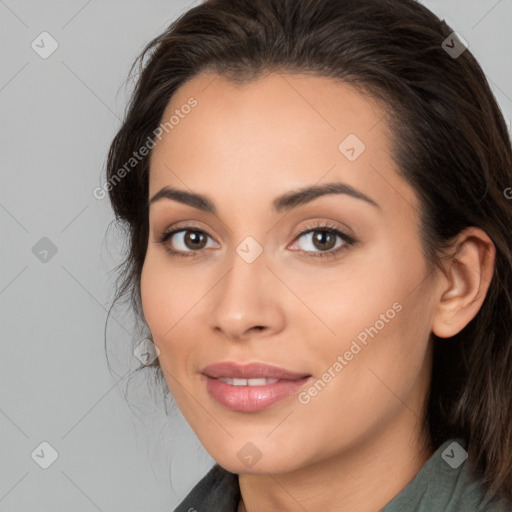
x: 247, y: 301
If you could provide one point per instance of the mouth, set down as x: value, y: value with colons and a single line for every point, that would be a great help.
x: 249, y: 382
x: 253, y: 387
x: 250, y: 374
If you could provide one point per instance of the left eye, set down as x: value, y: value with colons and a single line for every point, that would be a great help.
x: 321, y: 241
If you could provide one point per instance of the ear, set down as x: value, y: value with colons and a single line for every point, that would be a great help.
x: 463, y: 287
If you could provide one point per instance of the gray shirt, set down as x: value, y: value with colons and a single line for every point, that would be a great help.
x: 444, y: 484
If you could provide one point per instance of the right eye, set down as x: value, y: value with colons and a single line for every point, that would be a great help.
x: 189, y: 240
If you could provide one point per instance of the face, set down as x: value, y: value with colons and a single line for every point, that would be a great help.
x: 334, y: 287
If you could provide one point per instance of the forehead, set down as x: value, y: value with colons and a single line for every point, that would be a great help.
x: 275, y: 133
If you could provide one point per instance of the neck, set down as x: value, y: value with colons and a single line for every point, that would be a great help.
x: 361, y: 478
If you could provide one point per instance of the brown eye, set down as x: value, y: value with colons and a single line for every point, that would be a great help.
x: 194, y: 239
x: 324, y: 240
x: 185, y: 241
x: 320, y: 240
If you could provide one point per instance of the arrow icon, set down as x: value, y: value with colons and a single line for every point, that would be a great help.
x: 249, y: 454
x: 351, y: 147
x: 44, y: 250
x: 249, y: 250
x: 146, y: 351
x: 44, y: 45
x: 44, y: 455
x: 454, y: 45
x: 452, y: 454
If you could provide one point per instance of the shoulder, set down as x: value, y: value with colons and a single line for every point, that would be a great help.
x: 446, y: 483
x: 218, y: 490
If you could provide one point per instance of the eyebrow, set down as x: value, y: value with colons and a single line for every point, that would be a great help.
x: 285, y: 202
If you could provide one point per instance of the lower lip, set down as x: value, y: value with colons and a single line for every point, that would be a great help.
x: 251, y: 398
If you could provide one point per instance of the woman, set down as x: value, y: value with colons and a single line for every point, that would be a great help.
x: 320, y: 247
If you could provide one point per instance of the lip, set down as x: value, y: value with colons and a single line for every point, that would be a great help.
x: 251, y: 398
x: 250, y: 371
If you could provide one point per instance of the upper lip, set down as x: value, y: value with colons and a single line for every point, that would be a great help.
x: 250, y: 371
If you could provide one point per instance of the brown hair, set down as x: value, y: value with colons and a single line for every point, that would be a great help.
x: 450, y: 143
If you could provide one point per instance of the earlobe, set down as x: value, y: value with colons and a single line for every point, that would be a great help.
x: 468, y: 275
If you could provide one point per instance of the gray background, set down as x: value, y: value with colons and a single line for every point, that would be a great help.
x: 58, y: 117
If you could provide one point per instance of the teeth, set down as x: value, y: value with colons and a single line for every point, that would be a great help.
x: 248, y: 382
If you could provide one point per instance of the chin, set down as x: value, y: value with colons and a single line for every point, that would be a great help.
x: 262, y: 466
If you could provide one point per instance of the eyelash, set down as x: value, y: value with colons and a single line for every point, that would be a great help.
x: 349, y: 241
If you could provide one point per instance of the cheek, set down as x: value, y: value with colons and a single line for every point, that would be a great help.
x: 372, y: 370
x: 354, y: 295
x: 160, y: 291
x: 169, y: 301
x: 163, y: 306
x: 377, y: 311
x: 151, y: 293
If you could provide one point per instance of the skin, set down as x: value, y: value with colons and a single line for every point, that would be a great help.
x: 242, y: 146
